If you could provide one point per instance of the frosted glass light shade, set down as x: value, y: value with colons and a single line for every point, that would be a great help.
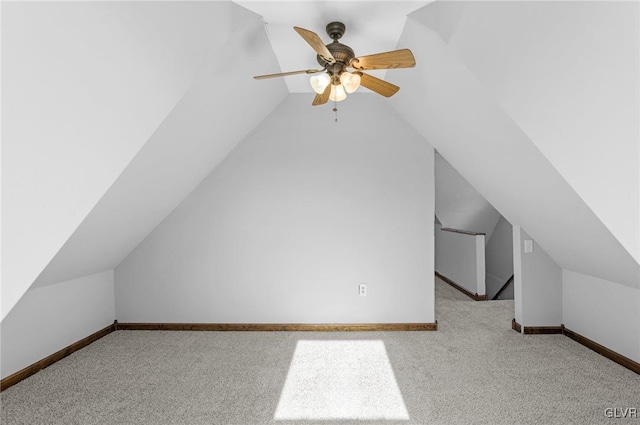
x: 350, y: 81
x: 338, y: 93
x: 320, y: 82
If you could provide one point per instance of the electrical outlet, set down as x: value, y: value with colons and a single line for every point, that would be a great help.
x: 528, y: 245
x: 362, y: 289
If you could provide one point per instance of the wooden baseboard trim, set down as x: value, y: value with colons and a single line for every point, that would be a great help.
x: 516, y: 326
x: 13, y: 379
x: 461, y: 289
x: 535, y: 330
x: 279, y: 327
x: 602, y: 350
x: 542, y: 330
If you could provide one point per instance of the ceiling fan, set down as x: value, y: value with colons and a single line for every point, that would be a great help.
x: 334, y: 81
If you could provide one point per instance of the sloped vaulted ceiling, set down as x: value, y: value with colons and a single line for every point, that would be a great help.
x: 104, y: 134
x: 567, y: 74
x: 459, y: 116
x: 217, y: 111
x: 459, y: 205
x: 84, y: 86
x: 82, y: 196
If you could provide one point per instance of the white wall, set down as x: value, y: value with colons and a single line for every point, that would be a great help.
x: 288, y: 225
x: 461, y: 258
x: 459, y: 205
x: 603, y: 311
x: 499, y: 258
x: 53, y: 317
x: 540, y: 281
x: 85, y: 84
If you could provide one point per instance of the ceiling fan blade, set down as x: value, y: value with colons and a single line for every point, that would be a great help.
x: 377, y: 85
x: 321, y: 99
x: 317, y: 44
x: 402, y: 58
x: 284, y: 74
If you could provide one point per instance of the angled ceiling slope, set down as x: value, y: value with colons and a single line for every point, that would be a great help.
x: 460, y: 118
x: 84, y: 87
x: 459, y: 205
x: 567, y: 74
x: 222, y: 106
x: 223, y: 89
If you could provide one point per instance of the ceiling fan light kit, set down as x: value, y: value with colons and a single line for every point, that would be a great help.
x: 320, y: 82
x: 350, y: 81
x: 338, y: 93
x: 334, y: 81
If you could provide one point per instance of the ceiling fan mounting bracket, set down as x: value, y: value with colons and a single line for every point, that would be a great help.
x: 336, y: 30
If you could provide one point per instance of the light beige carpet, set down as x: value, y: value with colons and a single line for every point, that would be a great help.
x: 473, y: 370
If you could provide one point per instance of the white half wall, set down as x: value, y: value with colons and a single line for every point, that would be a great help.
x: 51, y: 318
x: 603, y: 311
x: 517, y: 273
x: 539, y: 280
x: 289, y: 224
x: 461, y: 258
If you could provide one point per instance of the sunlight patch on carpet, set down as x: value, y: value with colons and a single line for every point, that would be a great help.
x: 333, y: 380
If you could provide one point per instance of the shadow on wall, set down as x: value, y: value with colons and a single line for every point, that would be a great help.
x: 499, y: 260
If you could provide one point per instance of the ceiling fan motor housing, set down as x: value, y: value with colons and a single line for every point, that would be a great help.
x: 342, y: 53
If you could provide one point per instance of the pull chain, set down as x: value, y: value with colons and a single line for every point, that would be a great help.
x: 335, y: 109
